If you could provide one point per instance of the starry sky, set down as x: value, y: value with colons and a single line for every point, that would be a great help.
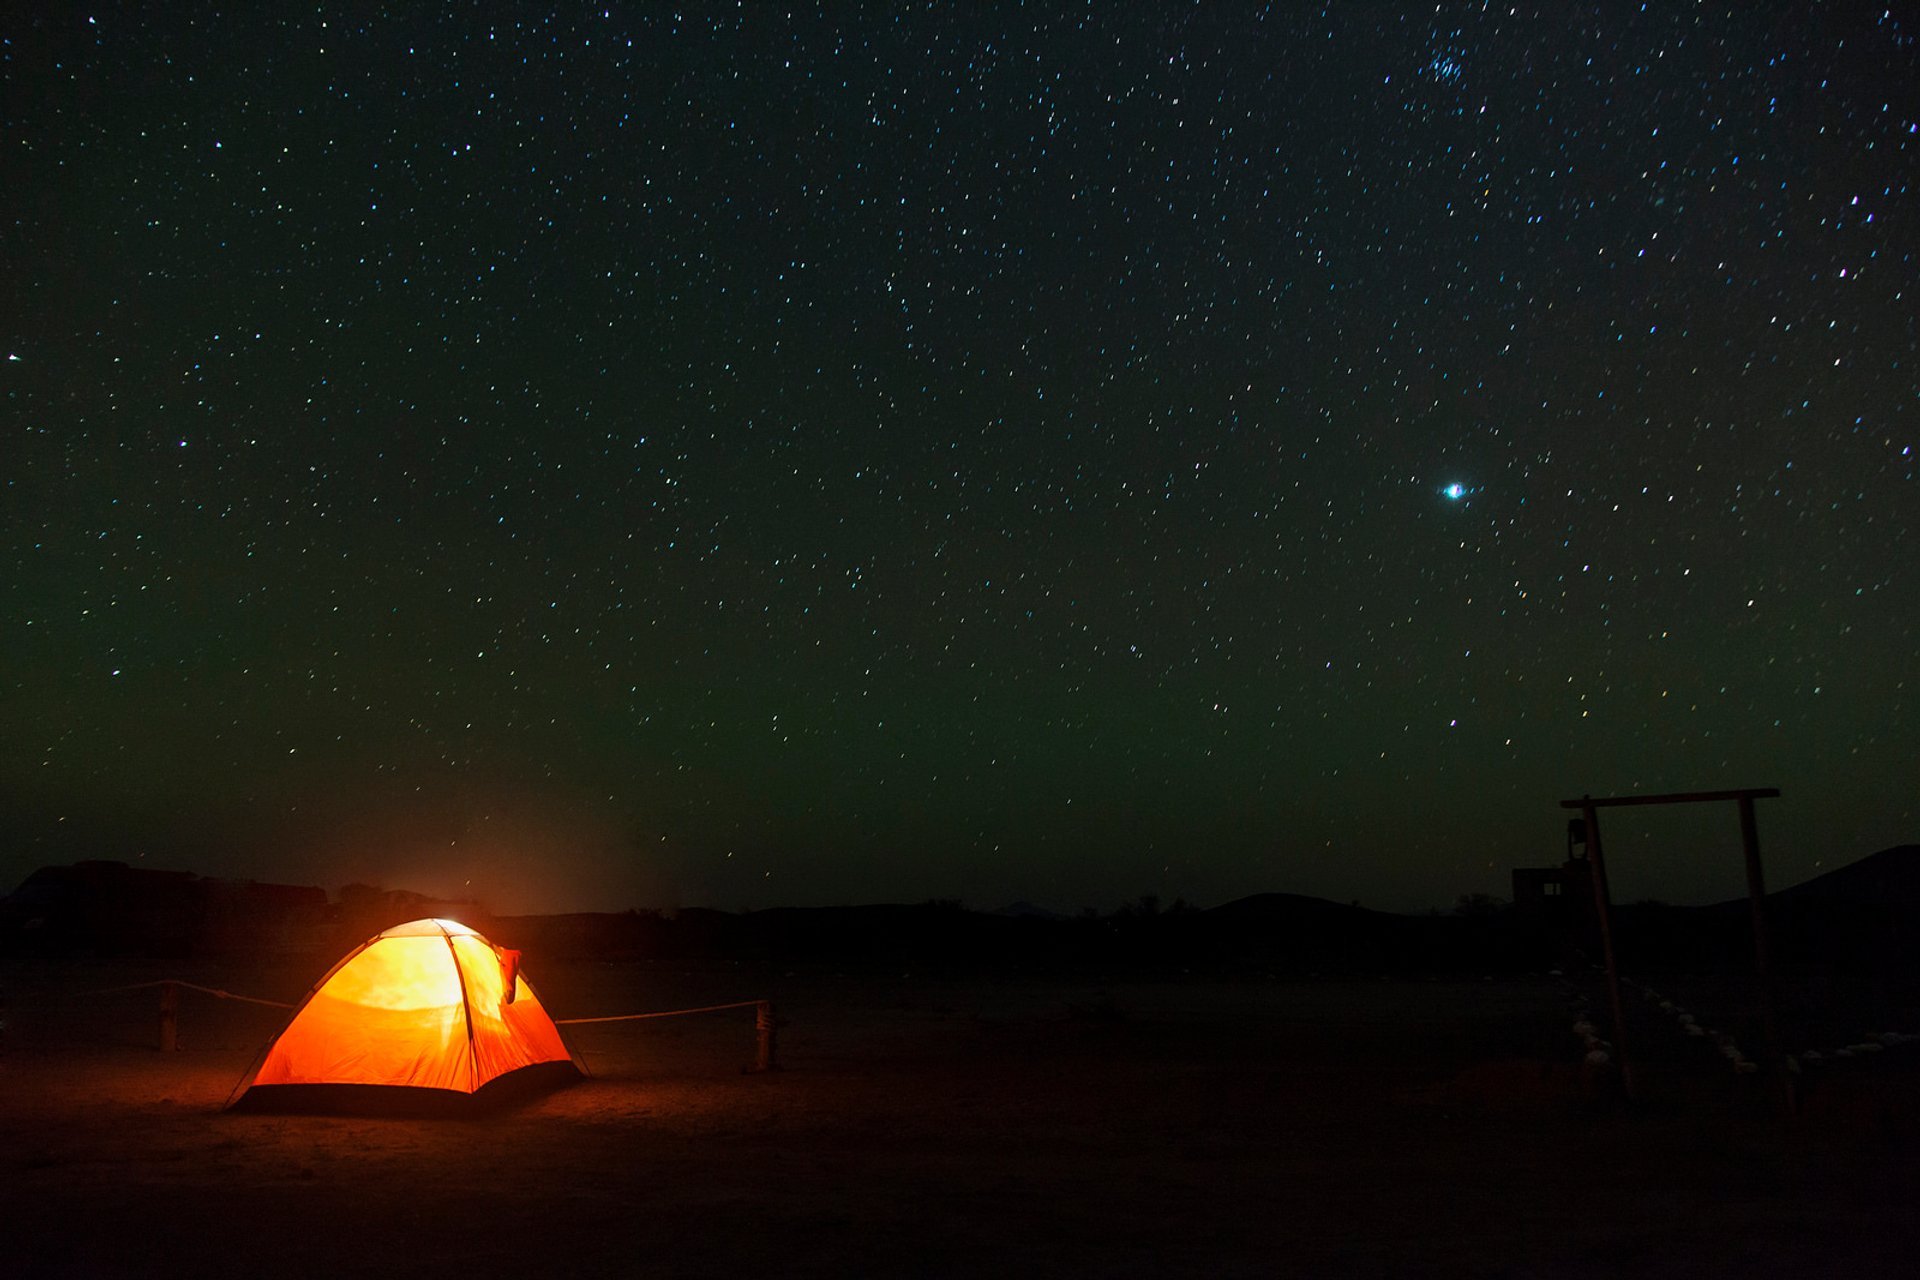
x: 751, y: 455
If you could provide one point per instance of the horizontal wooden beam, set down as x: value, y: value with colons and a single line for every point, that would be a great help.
x: 1672, y: 797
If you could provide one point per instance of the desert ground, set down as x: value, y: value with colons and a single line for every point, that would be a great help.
x: 933, y: 1127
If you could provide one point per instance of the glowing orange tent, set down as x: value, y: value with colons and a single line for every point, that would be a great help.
x: 425, y: 1006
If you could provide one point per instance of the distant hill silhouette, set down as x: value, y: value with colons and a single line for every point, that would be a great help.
x: 1860, y: 916
x: 112, y: 908
x: 1891, y: 876
x: 1020, y: 910
x: 1287, y: 906
x: 1265, y: 933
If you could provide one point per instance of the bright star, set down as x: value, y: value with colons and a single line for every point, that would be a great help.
x: 1454, y: 492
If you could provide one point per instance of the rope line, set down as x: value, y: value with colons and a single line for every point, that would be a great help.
x: 281, y: 1004
x: 191, y: 986
x: 668, y: 1013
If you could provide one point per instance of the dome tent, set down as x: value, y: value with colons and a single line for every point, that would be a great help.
x: 425, y: 1015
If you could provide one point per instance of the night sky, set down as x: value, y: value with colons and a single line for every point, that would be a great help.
x: 761, y: 456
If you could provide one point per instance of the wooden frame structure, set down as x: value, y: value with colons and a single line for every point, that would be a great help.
x: 1589, y: 807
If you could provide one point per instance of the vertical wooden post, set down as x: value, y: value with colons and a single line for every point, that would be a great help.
x: 1762, y: 958
x: 1603, y: 913
x: 763, y: 1027
x: 169, y: 1016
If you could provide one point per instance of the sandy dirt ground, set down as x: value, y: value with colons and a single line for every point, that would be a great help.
x: 934, y: 1128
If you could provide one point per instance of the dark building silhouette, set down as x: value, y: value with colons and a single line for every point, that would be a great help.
x: 1558, y: 901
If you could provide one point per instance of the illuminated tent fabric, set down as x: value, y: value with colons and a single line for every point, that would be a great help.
x: 422, y: 1006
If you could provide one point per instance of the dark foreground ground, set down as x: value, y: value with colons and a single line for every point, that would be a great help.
x: 1214, y: 1128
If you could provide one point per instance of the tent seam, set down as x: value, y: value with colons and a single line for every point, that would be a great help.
x: 466, y: 1010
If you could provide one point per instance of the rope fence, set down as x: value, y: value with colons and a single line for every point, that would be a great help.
x: 190, y: 986
x: 765, y: 1025
x: 170, y: 988
x: 665, y: 1013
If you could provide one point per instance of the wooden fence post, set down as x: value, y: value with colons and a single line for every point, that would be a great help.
x: 763, y: 1027
x: 169, y: 1016
x: 1756, y: 892
x: 1603, y: 910
x: 1762, y: 960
